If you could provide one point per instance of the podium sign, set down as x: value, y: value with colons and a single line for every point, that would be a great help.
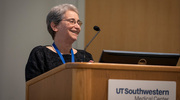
x: 141, y: 90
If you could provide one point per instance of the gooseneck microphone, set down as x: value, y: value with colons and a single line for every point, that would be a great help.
x: 96, y: 28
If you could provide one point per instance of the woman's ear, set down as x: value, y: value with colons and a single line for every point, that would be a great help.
x: 54, y: 27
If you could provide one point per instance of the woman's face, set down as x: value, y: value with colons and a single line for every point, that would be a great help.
x: 69, y: 27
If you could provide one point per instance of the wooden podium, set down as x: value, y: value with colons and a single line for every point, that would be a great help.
x: 89, y: 81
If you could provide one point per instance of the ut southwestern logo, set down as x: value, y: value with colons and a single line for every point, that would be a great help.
x: 141, y: 91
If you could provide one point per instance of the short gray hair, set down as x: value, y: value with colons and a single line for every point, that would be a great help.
x: 56, y: 14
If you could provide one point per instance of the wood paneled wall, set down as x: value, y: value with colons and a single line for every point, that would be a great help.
x: 133, y: 25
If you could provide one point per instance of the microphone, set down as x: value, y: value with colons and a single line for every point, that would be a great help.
x: 96, y: 28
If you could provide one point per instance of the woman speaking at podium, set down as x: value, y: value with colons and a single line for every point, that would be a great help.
x: 64, y: 26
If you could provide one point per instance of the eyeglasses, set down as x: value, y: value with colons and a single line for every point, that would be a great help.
x: 73, y: 21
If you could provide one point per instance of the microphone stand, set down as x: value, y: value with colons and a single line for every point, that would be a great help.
x: 91, y: 41
x: 89, y: 44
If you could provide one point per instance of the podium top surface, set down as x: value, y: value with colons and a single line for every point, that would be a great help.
x: 112, y: 66
x: 106, y: 66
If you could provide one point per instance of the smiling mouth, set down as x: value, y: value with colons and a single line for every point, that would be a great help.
x: 75, y: 32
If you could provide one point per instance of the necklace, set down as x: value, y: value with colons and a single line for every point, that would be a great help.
x: 60, y: 55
